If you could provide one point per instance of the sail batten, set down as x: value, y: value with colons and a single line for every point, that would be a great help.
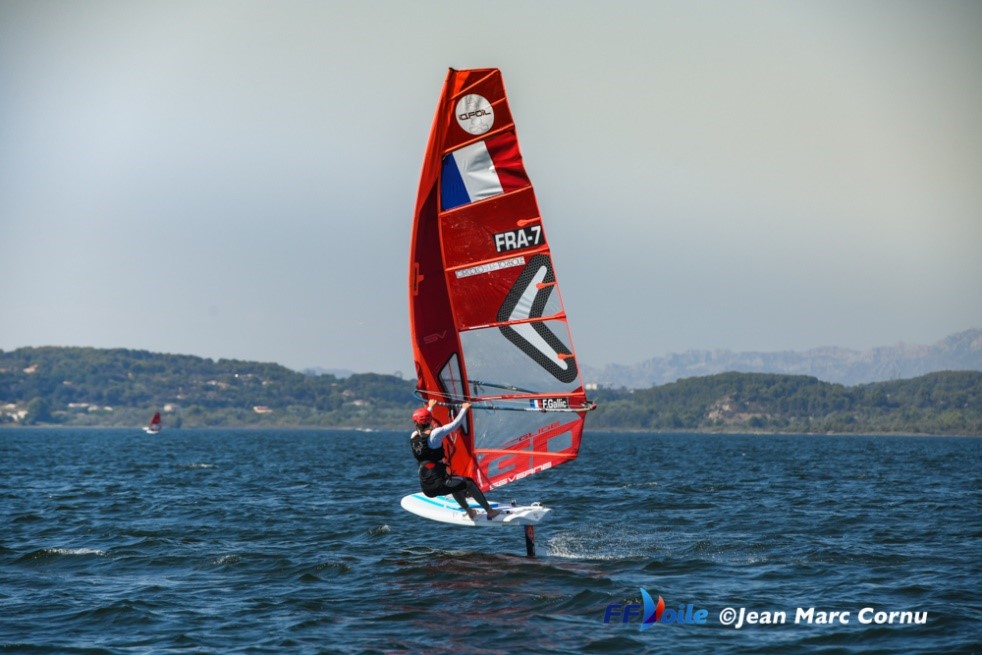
x: 478, y: 139
x: 518, y: 321
x: 485, y: 304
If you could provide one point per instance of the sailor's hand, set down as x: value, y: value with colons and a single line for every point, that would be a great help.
x: 431, y: 404
x: 464, y: 407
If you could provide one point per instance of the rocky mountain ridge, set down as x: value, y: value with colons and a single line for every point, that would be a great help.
x: 958, y: 352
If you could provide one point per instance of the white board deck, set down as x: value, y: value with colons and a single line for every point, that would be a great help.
x: 446, y: 510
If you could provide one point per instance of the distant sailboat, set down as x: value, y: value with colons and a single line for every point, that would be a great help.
x: 154, y: 426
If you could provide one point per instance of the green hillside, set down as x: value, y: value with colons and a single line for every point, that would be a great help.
x: 117, y: 387
x: 89, y: 386
x: 938, y: 403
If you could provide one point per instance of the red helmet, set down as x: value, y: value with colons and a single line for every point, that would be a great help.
x: 422, y: 415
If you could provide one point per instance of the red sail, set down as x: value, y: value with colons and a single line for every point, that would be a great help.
x: 487, y: 320
x: 154, y: 426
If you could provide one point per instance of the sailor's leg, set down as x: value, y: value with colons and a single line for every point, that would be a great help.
x: 461, y: 497
x: 475, y: 492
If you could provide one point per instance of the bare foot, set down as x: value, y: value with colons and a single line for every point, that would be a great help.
x: 493, y: 513
x: 471, y: 513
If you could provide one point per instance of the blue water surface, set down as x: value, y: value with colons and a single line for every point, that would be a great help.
x: 269, y: 541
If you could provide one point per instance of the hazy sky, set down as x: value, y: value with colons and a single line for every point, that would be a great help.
x: 237, y: 179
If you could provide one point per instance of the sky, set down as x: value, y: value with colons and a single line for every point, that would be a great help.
x: 237, y: 179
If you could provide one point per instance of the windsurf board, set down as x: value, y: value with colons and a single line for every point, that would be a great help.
x: 446, y: 510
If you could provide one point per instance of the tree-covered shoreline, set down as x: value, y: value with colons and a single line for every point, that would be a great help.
x: 121, y: 388
x: 946, y: 402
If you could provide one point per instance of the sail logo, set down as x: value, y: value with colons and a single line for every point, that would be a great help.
x: 527, y: 301
x: 521, y: 238
x: 650, y: 613
x: 474, y: 114
x: 433, y: 338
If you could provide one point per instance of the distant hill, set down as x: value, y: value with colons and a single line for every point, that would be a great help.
x: 117, y: 387
x: 947, y: 402
x: 90, y: 386
x: 959, y: 352
x: 336, y: 372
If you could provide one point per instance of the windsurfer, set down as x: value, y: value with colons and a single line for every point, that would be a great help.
x: 434, y: 477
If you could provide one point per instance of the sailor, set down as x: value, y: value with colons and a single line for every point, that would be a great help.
x: 435, y: 479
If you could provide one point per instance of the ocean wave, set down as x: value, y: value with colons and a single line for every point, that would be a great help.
x: 52, y: 553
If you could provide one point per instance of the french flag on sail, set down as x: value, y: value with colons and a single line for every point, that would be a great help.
x: 482, y: 170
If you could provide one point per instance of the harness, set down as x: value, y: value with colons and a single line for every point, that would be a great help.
x: 422, y: 451
x: 432, y: 467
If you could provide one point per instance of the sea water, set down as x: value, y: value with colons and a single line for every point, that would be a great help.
x: 270, y: 541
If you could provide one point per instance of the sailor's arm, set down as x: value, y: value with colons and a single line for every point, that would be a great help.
x: 437, y: 434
